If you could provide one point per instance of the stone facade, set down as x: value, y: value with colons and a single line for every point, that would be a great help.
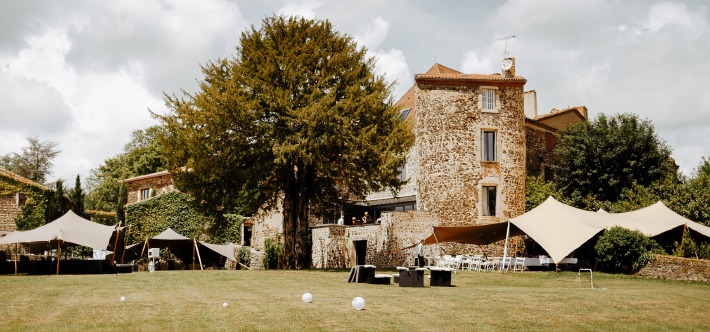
x: 540, y: 142
x: 449, y: 126
x: 677, y: 268
x: 156, y: 183
x: 9, y: 211
x: 334, y: 246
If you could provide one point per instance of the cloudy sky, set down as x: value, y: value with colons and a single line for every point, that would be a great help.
x: 85, y: 73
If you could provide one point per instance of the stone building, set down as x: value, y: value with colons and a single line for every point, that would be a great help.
x: 143, y: 187
x: 17, y: 192
x: 477, y: 137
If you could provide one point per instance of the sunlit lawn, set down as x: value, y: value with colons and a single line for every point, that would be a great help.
x: 271, y: 300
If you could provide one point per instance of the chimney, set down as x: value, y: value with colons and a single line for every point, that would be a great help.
x: 530, y: 104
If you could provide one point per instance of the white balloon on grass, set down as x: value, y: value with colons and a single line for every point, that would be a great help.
x: 358, y: 303
x: 225, y: 304
x: 307, y: 297
x: 123, y: 298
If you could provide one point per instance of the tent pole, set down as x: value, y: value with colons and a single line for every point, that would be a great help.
x: 123, y: 254
x: 437, y: 239
x: 682, y: 238
x: 507, y: 235
x: 17, y: 251
x: 193, y: 257
x: 115, y: 242
x: 145, y: 243
x: 59, y: 254
x: 198, y: 254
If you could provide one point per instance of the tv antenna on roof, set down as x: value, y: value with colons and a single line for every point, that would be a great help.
x: 505, y: 52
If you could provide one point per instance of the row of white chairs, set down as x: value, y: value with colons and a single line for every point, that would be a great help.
x: 478, y: 263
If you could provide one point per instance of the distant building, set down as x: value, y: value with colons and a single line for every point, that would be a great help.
x: 143, y: 187
x: 16, y: 192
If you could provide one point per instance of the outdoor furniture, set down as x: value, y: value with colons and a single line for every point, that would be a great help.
x: 591, y: 278
x: 475, y: 263
x: 411, y: 277
x: 381, y: 279
x: 504, y: 264
x: 440, y: 277
x: 489, y: 264
x: 361, y: 273
x: 519, y: 264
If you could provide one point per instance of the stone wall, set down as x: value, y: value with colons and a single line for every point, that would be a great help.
x: 160, y: 184
x: 539, y: 152
x: 333, y: 245
x: 677, y: 268
x: 8, y: 212
x: 451, y: 173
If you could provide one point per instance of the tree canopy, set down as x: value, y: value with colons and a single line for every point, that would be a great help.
x: 297, y: 117
x: 35, y: 162
x: 142, y: 155
x: 601, y: 158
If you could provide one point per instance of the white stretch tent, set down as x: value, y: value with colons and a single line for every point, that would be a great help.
x: 68, y: 228
x: 226, y: 250
x: 560, y: 229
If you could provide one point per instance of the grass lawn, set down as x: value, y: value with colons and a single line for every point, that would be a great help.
x: 271, y: 300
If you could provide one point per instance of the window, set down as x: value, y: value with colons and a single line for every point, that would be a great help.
x: 402, y: 176
x: 489, y: 145
x: 21, y: 199
x: 488, y: 200
x: 145, y: 194
x: 489, y: 99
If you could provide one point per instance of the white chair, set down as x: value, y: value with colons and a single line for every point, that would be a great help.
x: 466, y: 263
x: 545, y: 261
x: 519, y: 264
x: 456, y: 262
x: 475, y: 263
x: 504, y: 264
x: 490, y: 264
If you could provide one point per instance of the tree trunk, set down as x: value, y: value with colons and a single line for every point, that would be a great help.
x: 295, y: 224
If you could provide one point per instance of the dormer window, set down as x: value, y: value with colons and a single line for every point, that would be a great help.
x: 488, y: 99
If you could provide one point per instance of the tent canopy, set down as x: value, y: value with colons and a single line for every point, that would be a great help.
x: 68, y: 228
x: 226, y: 250
x: 178, y: 244
x: 478, y: 234
x: 560, y: 229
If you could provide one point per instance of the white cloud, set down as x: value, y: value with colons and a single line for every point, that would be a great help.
x: 374, y: 34
x: 666, y: 14
x: 305, y: 9
x: 472, y: 64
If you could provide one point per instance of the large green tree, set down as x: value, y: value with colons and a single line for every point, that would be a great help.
x: 297, y: 120
x: 141, y: 155
x: 35, y: 162
x: 76, y: 197
x: 601, y: 158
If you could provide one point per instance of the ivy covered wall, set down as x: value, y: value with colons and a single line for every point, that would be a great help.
x: 180, y: 212
x: 35, y: 210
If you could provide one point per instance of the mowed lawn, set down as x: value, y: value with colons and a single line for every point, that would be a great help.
x: 271, y: 300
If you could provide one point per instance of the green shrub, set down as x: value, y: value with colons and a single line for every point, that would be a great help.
x: 621, y: 250
x: 244, y: 257
x: 691, y: 249
x: 272, y: 248
x: 225, y: 230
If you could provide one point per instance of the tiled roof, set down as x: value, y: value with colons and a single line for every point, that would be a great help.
x: 473, y: 77
x: 21, y: 179
x: 147, y: 176
x: 556, y: 112
x: 441, y: 69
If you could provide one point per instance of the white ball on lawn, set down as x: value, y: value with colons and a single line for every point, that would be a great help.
x: 123, y: 298
x: 225, y: 304
x: 307, y: 297
x: 358, y: 303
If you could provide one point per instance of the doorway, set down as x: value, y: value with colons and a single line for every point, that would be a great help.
x: 360, y: 251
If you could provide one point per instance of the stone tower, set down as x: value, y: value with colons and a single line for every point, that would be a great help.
x: 470, y: 146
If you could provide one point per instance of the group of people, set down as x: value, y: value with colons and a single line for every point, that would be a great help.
x: 366, y: 219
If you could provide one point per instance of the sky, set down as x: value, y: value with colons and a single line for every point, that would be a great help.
x: 85, y: 74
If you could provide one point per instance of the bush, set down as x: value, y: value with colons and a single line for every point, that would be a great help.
x: 691, y: 249
x: 621, y: 250
x: 244, y: 257
x: 272, y: 248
